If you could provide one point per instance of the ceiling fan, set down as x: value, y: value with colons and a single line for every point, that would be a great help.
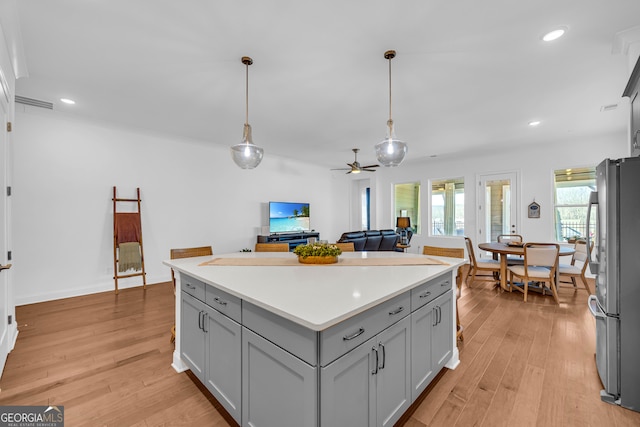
x: 355, y: 166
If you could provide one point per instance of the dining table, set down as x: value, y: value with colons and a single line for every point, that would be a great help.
x: 503, y: 250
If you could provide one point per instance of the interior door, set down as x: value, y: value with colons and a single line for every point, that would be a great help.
x: 497, y: 205
x: 5, y: 309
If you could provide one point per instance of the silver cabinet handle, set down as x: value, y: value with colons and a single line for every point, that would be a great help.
x: 425, y: 294
x: 219, y: 301
x: 204, y: 322
x: 435, y: 316
x: 445, y: 283
x: 384, y: 354
x: 374, y: 372
x: 200, y: 320
x: 354, y: 335
x: 396, y: 311
x: 190, y: 286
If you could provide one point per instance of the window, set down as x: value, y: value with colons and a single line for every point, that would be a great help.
x: 407, y: 203
x: 365, y: 208
x: 572, y: 190
x: 447, y: 207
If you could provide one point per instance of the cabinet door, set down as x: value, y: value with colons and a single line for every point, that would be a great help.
x: 278, y: 389
x: 393, y: 389
x: 223, y: 361
x: 423, y: 322
x: 192, y: 337
x: 348, y: 388
x: 442, y: 335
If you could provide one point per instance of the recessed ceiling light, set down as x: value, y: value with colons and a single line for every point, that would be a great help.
x: 68, y: 101
x: 554, y: 34
x: 534, y: 123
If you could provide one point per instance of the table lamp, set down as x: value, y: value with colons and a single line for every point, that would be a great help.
x: 402, y: 223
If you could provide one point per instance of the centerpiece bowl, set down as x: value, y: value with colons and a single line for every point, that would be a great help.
x: 317, y: 253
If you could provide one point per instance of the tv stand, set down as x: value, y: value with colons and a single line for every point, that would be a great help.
x: 293, y: 239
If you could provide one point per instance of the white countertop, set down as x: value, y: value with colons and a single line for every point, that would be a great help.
x: 316, y: 297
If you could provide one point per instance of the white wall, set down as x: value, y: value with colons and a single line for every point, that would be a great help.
x: 192, y: 194
x: 535, y: 165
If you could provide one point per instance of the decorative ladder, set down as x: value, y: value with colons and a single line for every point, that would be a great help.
x: 129, y: 224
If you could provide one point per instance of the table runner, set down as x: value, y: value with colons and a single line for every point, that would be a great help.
x: 391, y: 261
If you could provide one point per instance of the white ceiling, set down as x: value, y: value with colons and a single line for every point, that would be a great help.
x: 469, y: 75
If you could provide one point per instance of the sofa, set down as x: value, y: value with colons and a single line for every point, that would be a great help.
x: 371, y: 240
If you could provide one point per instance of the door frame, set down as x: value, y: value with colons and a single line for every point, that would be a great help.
x: 481, y: 178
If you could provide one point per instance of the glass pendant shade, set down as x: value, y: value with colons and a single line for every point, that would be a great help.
x: 391, y: 151
x: 247, y: 155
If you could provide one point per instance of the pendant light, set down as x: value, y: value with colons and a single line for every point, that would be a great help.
x: 390, y: 151
x: 246, y: 154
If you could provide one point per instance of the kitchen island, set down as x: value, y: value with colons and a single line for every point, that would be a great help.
x: 303, y: 345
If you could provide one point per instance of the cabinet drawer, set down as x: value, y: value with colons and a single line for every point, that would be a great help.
x: 193, y: 287
x: 347, y: 335
x: 223, y: 302
x: 295, y: 338
x: 430, y: 290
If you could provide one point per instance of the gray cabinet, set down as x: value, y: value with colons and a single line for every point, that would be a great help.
x: 278, y: 389
x: 431, y: 341
x: 267, y: 370
x: 192, y: 334
x: 370, y: 385
x: 223, y: 361
x: 211, y: 348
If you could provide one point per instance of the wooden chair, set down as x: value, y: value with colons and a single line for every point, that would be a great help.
x: 540, y: 263
x: 572, y: 270
x: 505, y: 238
x: 346, y: 246
x: 452, y: 253
x: 272, y: 247
x: 186, y: 253
x: 475, y: 266
x: 515, y: 238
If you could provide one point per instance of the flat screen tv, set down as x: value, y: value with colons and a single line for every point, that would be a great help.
x: 287, y: 217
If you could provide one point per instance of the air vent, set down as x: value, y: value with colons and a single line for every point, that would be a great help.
x: 608, y: 107
x: 34, y: 102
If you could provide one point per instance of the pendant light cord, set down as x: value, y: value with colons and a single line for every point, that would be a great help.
x: 390, y: 120
x: 246, y: 94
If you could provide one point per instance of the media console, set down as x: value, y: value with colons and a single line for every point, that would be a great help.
x: 293, y: 239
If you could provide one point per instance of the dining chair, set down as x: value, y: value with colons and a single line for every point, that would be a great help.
x: 452, y: 253
x: 346, y: 246
x: 185, y: 253
x: 511, y: 238
x: 272, y: 247
x: 540, y: 263
x: 572, y: 271
x: 475, y: 266
x: 505, y: 238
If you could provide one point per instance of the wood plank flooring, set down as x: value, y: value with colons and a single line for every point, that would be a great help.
x: 107, y: 359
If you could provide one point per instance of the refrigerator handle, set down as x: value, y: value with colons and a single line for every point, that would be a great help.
x: 593, y: 306
x: 594, y: 266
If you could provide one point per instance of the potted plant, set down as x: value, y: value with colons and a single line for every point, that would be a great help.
x: 317, y: 253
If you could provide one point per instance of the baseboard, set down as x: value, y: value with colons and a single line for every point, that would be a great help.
x: 94, y: 289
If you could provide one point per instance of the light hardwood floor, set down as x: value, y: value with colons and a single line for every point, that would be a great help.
x: 107, y: 359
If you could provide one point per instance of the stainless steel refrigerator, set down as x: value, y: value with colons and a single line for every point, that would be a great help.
x: 615, y: 209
